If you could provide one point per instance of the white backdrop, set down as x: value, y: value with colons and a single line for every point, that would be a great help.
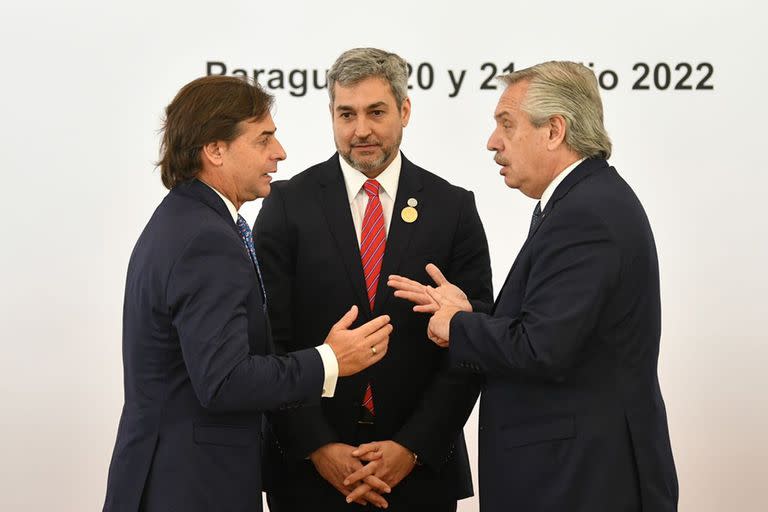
x: 82, y: 93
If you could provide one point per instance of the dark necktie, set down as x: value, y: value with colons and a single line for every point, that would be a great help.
x: 535, y: 218
x: 373, y: 240
x: 247, y: 236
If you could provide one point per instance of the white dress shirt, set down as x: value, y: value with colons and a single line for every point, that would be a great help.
x: 358, y: 199
x: 545, y: 197
x: 330, y: 364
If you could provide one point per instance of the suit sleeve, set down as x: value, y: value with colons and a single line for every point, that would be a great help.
x: 207, y: 292
x: 447, y: 403
x: 575, y: 267
x: 299, y: 431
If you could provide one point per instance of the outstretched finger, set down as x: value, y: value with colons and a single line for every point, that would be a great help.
x: 436, y: 296
x: 374, y: 325
x: 430, y: 308
x: 346, y: 321
x: 403, y: 283
x: 380, y: 337
x: 436, y: 275
x: 419, y: 297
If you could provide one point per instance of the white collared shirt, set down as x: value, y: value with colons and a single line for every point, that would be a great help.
x: 547, y: 195
x: 330, y: 364
x: 358, y: 199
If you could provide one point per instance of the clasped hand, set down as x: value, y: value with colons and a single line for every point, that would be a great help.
x: 364, y: 474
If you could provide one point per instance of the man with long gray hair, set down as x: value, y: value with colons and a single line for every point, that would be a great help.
x: 571, y: 416
x: 328, y: 238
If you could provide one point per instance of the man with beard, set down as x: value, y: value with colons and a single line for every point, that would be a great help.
x: 331, y: 236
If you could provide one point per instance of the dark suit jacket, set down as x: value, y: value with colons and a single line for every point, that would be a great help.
x: 572, y: 417
x: 306, y: 239
x: 196, y: 375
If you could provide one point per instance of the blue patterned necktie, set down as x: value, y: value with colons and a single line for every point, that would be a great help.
x: 247, y: 236
x: 535, y: 218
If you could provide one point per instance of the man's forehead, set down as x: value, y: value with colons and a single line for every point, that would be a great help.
x: 510, y: 100
x: 260, y: 125
x: 367, y: 92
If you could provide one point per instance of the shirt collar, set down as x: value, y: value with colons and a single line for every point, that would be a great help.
x: 354, y: 179
x: 547, y: 195
x: 229, y: 204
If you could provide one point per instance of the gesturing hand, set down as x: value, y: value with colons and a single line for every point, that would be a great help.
x: 357, y: 349
x: 416, y: 292
x: 439, y: 328
x: 387, y: 460
x: 335, y: 462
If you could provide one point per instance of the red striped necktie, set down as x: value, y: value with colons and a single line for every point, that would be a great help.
x: 373, y: 240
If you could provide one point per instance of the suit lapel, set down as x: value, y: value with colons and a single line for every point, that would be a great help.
x: 400, y: 233
x: 583, y: 170
x: 335, y: 205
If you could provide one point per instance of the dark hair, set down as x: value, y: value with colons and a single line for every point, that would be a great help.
x: 206, y: 110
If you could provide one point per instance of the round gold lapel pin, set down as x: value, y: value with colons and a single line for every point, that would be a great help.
x: 409, y: 214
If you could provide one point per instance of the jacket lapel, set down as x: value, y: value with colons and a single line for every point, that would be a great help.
x: 583, y: 170
x: 335, y: 205
x: 400, y: 233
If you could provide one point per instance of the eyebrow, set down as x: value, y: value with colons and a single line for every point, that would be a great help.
x: 501, y: 115
x: 368, y: 107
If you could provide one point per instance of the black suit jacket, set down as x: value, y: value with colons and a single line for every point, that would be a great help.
x: 572, y: 417
x: 306, y: 239
x: 195, y: 337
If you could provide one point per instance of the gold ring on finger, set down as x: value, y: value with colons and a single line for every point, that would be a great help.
x: 373, y: 350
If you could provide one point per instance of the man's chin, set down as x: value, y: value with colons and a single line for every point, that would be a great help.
x: 263, y: 191
x: 366, y: 165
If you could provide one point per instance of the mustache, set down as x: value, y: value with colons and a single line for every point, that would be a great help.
x: 364, y: 142
x: 500, y: 160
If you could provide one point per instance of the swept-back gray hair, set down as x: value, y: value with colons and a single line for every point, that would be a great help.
x: 356, y: 65
x: 570, y: 90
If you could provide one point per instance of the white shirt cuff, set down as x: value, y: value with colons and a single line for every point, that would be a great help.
x: 331, y: 369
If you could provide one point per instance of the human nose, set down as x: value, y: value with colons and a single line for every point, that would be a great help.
x: 362, y: 128
x: 494, y: 142
x: 279, y: 151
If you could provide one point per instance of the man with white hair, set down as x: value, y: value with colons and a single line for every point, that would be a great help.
x: 571, y: 415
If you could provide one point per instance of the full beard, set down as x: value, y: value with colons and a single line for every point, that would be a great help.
x: 368, y: 166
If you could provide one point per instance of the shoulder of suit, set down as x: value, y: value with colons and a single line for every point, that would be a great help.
x: 434, y: 181
x: 189, y: 218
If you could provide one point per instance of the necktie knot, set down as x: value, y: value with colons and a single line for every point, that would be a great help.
x: 371, y: 188
x: 242, y: 225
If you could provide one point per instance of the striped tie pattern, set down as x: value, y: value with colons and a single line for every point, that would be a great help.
x: 373, y: 240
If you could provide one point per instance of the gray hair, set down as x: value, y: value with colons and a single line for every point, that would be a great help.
x: 570, y: 90
x: 354, y: 66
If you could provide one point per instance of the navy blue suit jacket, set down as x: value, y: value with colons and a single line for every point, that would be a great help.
x: 197, y: 374
x: 572, y: 417
x: 306, y: 239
